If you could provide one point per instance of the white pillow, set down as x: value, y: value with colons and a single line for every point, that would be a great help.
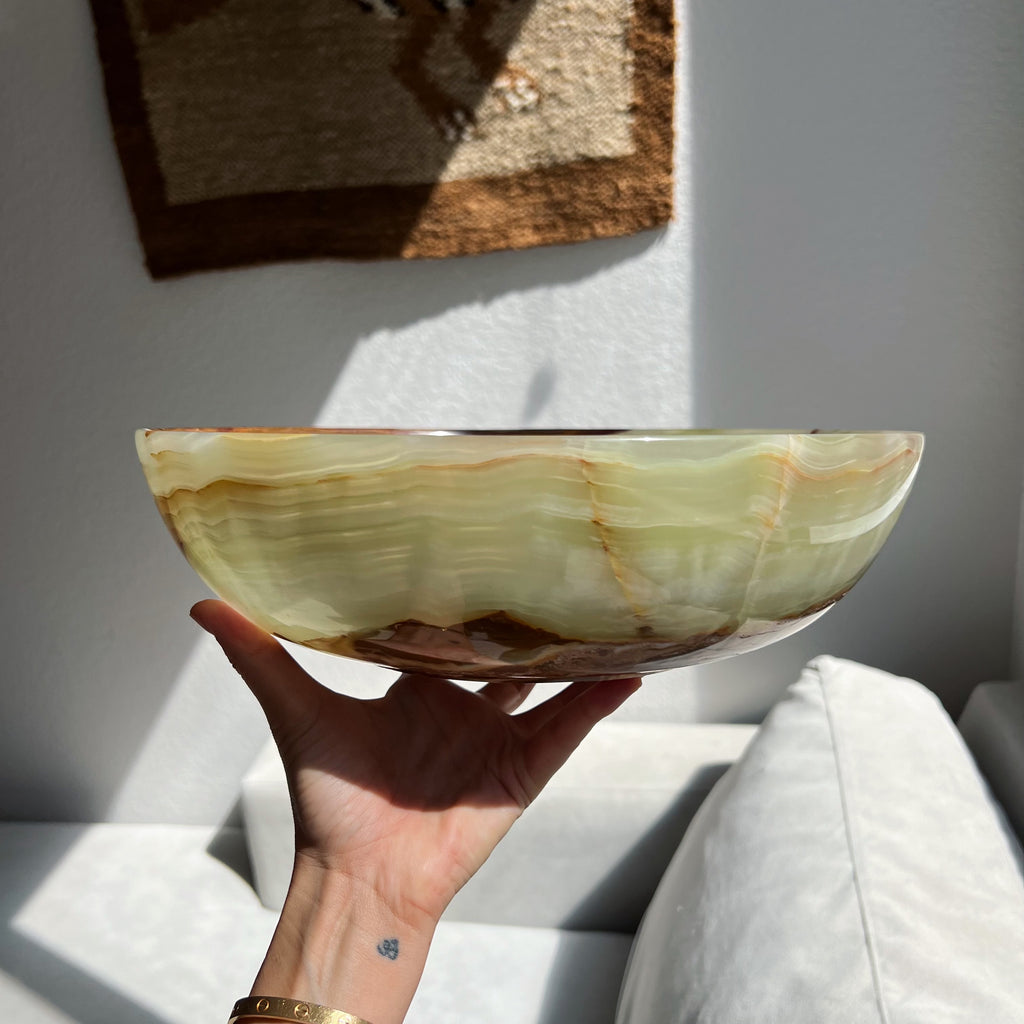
x: 851, y: 868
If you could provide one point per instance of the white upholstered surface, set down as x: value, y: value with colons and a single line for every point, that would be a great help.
x: 850, y: 869
x: 111, y: 924
x: 147, y: 924
x: 493, y: 974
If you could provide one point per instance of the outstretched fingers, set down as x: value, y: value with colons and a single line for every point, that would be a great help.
x: 562, y: 723
x: 289, y: 696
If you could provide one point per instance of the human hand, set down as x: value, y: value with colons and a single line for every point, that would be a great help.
x: 397, y: 801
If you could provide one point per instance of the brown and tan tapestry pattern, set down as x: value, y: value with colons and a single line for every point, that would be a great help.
x: 253, y: 131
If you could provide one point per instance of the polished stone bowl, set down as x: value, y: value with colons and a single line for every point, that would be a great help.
x: 529, y: 555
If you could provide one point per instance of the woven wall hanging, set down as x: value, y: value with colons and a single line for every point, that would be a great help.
x: 255, y: 130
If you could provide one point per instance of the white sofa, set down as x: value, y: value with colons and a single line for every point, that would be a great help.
x: 852, y: 866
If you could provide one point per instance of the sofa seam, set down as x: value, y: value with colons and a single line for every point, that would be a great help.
x: 870, y: 942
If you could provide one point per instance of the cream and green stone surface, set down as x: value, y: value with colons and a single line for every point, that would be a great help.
x: 544, y: 556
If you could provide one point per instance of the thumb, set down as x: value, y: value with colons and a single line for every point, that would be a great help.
x: 289, y: 696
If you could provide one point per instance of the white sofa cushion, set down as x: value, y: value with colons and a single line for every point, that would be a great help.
x: 851, y: 868
x: 499, y: 974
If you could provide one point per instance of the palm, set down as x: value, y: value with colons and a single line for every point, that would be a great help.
x: 430, y: 772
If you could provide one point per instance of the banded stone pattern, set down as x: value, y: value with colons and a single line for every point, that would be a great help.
x: 532, y: 555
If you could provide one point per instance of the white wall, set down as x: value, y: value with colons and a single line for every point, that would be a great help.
x: 848, y: 255
x: 1017, y: 657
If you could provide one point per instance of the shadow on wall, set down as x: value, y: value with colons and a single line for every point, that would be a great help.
x: 208, y: 350
x: 95, y: 596
x: 538, y: 394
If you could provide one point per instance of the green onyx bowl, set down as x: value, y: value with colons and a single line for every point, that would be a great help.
x: 540, y: 556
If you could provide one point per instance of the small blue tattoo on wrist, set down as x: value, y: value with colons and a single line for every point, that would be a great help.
x: 388, y: 948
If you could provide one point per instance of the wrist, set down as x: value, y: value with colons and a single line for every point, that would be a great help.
x: 341, y: 943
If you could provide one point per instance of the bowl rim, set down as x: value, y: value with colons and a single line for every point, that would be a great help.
x: 630, y: 432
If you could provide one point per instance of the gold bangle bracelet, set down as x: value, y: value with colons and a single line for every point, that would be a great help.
x: 273, y: 1008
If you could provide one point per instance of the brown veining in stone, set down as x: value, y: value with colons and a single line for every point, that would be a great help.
x: 463, y: 467
x: 501, y: 646
x: 228, y: 485
x: 840, y: 471
x: 604, y: 536
x: 163, y: 507
x: 822, y: 606
x: 459, y: 654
